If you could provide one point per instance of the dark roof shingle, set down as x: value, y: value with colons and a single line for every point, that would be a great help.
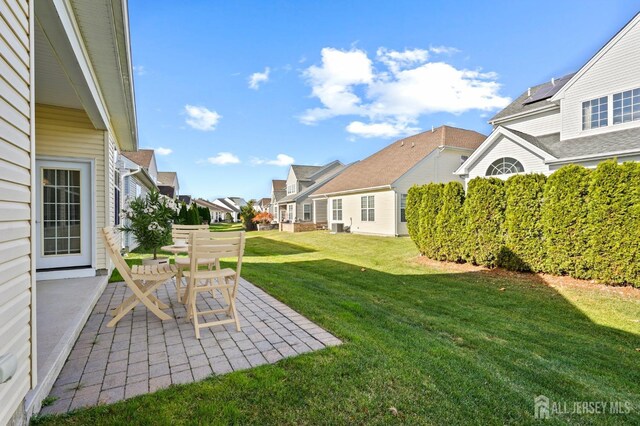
x: 141, y: 157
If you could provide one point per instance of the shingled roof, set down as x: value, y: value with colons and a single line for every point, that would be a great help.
x: 537, y: 99
x: 387, y: 165
x: 141, y: 157
x: 279, y: 184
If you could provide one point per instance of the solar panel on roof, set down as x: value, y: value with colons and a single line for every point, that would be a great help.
x: 547, y: 90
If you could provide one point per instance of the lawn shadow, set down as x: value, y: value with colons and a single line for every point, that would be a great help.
x: 503, y: 339
x: 261, y: 246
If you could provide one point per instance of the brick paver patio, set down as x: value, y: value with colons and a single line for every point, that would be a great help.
x: 143, y: 354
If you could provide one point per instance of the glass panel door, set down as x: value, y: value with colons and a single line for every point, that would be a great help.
x: 61, y: 198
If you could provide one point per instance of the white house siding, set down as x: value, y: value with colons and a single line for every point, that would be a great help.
x: 385, y: 213
x: 544, y: 123
x: 131, y: 188
x: 319, y: 211
x: 438, y: 166
x: 16, y: 164
x: 69, y: 133
x: 617, y: 70
x: 505, y: 147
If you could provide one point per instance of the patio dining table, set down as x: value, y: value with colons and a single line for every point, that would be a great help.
x: 177, y: 249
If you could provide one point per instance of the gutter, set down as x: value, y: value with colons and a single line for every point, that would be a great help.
x: 353, y: 191
x: 500, y: 121
x: 601, y: 156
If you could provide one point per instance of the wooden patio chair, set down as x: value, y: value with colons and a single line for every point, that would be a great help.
x: 182, y: 232
x: 142, y: 280
x: 214, y: 245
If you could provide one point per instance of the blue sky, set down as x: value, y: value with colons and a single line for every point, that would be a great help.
x: 230, y: 92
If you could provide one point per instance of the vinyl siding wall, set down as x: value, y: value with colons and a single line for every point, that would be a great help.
x: 438, y: 166
x: 541, y: 124
x: 65, y: 132
x: 504, y: 147
x: 385, y: 213
x: 16, y: 156
x: 617, y: 70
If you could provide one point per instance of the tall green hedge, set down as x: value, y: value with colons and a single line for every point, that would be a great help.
x: 484, y: 213
x: 523, y: 249
x: 449, y: 224
x: 613, y: 223
x: 412, y: 213
x: 575, y: 222
x: 429, y: 208
x: 564, y: 216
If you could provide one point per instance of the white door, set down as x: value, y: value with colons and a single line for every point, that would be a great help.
x: 63, y: 225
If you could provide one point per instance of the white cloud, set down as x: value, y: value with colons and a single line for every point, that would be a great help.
x: 393, y: 92
x: 163, y: 151
x: 258, y: 78
x: 447, y: 50
x: 139, y: 70
x: 395, y: 60
x: 281, y: 160
x: 201, y: 118
x: 380, y: 130
x: 224, y: 158
x: 333, y: 82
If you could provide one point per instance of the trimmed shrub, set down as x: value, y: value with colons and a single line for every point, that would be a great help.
x: 564, y: 216
x: 183, y: 216
x: 412, y: 213
x: 613, y: 223
x: 193, y: 216
x: 484, y: 212
x: 429, y: 208
x: 449, y: 224
x: 523, y: 249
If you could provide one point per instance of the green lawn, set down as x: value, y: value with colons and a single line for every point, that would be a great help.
x: 441, y: 347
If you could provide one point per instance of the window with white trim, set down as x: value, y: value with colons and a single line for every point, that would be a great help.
x: 291, y: 189
x: 336, y: 209
x: 626, y: 106
x: 505, y: 166
x: 367, y: 208
x: 595, y: 113
x: 403, y: 207
x: 306, y: 212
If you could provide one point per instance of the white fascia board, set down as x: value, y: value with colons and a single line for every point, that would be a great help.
x: 603, y: 51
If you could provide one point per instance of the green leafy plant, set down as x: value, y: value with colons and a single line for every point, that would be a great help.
x: 613, y: 223
x: 523, y: 249
x: 413, y: 214
x: 564, y: 215
x: 448, y: 226
x: 484, y: 212
x: 149, y: 219
x: 247, y: 213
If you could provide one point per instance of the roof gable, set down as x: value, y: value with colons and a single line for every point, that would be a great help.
x: 141, y: 157
x: 599, y: 54
x: 526, y: 141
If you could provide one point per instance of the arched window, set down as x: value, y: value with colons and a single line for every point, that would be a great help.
x: 505, y: 166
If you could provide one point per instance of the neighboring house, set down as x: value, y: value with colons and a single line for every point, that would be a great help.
x: 582, y: 118
x: 185, y: 199
x: 217, y: 211
x: 301, y: 182
x: 138, y: 176
x: 369, y: 197
x: 278, y: 192
x: 168, y: 184
x: 67, y: 109
x: 263, y: 205
x: 231, y: 206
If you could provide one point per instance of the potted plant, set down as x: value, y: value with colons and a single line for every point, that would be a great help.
x: 263, y: 220
x: 149, y: 219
